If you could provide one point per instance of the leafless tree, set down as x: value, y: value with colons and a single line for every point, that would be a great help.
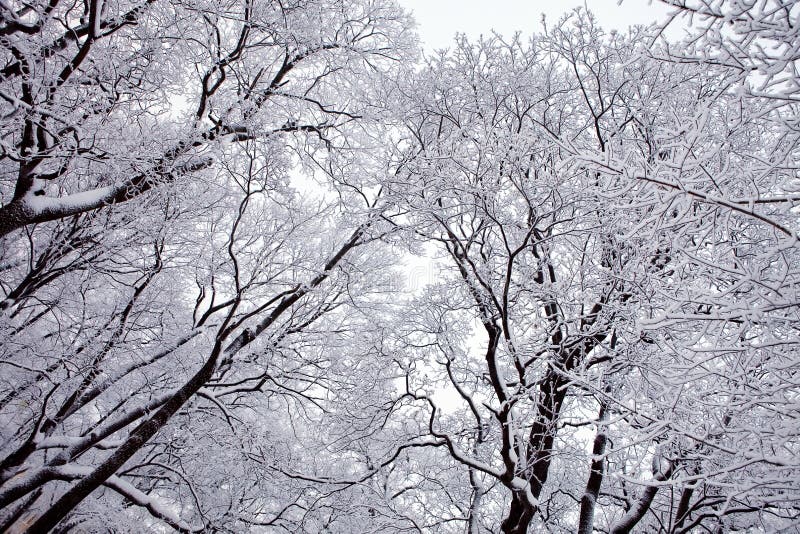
x: 593, y: 205
x: 205, y: 326
x: 131, y: 326
x: 103, y: 101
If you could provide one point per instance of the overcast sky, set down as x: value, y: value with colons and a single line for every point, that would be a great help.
x: 439, y: 20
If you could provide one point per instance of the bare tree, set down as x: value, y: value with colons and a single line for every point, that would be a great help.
x: 593, y: 206
x: 258, y: 284
x: 124, y: 320
x: 103, y: 101
x: 205, y: 205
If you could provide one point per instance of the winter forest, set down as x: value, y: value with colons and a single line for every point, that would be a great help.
x: 265, y: 266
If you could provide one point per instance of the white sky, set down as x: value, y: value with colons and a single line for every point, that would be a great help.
x: 439, y: 20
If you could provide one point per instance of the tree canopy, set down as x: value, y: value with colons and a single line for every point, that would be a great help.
x: 210, y: 314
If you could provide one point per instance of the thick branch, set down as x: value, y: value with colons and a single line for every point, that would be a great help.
x: 640, y: 508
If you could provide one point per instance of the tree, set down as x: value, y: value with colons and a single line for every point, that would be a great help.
x: 123, y: 378
x: 487, y: 180
x: 601, y: 212
x: 104, y: 101
x: 174, y: 276
x: 205, y: 205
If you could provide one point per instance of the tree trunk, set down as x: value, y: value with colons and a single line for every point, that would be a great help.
x: 637, y: 512
x: 589, y: 499
x: 519, y: 516
x: 13, y: 513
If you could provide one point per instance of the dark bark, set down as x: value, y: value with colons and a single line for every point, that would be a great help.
x: 640, y: 508
x: 543, y: 432
x: 589, y: 499
x: 540, y: 452
x: 16, y: 511
x: 520, y: 515
x: 18, y: 213
x: 14, y: 216
x: 682, y: 514
x: 552, y: 392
